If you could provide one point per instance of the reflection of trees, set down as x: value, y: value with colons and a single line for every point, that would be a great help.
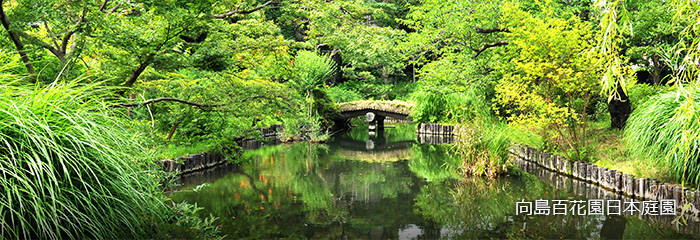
x: 434, y: 162
x: 480, y: 208
x: 306, y: 190
x: 303, y: 188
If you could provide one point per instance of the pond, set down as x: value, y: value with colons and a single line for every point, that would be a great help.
x: 384, y: 186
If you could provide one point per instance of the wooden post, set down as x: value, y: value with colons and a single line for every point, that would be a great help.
x: 593, y: 173
x: 601, y: 176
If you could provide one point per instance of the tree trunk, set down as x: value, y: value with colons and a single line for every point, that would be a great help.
x: 172, y: 130
x: 132, y: 79
x: 619, y: 109
x: 16, y: 40
x: 657, y: 70
x: 385, y: 75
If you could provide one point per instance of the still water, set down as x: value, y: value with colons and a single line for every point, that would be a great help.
x: 384, y: 187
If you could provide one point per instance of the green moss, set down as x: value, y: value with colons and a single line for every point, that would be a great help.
x: 395, y: 106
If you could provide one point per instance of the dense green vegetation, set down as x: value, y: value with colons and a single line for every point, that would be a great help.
x: 92, y: 92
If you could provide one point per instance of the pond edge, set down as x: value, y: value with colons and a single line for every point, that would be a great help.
x: 610, y: 179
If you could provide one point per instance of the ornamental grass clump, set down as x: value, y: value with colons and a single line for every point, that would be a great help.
x: 69, y: 169
x: 483, y: 146
x: 655, y: 131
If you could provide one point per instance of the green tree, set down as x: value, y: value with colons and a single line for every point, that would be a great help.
x: 654, y: 33
x: 312, y: 71
x: 369, y: 51
x: 551, y: 82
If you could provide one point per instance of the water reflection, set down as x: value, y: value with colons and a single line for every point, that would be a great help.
x: 398, y: 188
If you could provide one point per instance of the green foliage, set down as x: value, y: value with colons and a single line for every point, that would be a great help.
x: 183, y: 223
x: 444, y: 29
x: 640, y: 93
x: 311, y: 70
x: 549, y: 86
x: 325, y: 107
x: 69, y: 167
x: 311, y: 73
x: 614, y: 18
x: 240, y: 105
x: 656, y: 130
x: 437, y: 106
x: 369, y: 52
x: 431, y: 107
x: 211, y: 59
x: 652, y: 35
x: 304, y: 129
x: 341, y: 94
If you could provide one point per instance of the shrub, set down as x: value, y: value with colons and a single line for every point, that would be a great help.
x: 68, y: 169
x: 312, y: 71
x: 655, y: 132
x: 324, y: 106
x: 551, y: 83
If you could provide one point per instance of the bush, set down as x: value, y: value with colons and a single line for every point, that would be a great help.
x: 655, y: 133
x: 68, y: 169
x: 240, y: 105
x: 325, y: 108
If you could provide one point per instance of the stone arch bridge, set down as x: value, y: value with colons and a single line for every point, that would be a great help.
x: 376, y: 111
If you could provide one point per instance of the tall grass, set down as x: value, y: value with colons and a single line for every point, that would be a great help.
x: 483, y: 144
x: 655, y: 130
x: 68, y: 169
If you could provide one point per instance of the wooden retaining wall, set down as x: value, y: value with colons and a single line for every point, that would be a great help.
x: 585, y: 189
x: 611, y: 180
x: 200, y: 161
x: 396, y: 120
x: 435, y: 129
x: 435, y: 139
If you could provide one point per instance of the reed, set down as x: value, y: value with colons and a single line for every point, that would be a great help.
x: 69, y: 169
x: 655, y: 130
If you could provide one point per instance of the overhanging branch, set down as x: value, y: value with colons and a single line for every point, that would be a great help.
x: 166, y: 99
x: 490, y: 45
x: 477, y: 52
x: 491, y: 30
x: 238, y: 11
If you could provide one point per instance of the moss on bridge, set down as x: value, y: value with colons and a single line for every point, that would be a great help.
x: 395, y: 106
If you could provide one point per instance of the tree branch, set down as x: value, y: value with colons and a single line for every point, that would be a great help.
x: 57, y: 52
x: 69, y: 34
x: 490, y: 45
x: 491, y: 30
x: 166, y: 99
x: 237, y: 11
x: 103, y: 6
x: 114, y: 8
x: 53, y: 36
x: 142, y: 66
x: 14, y: 36
x: 147, y: 61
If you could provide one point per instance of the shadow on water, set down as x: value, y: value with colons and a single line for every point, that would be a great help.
x: 393, y: 187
